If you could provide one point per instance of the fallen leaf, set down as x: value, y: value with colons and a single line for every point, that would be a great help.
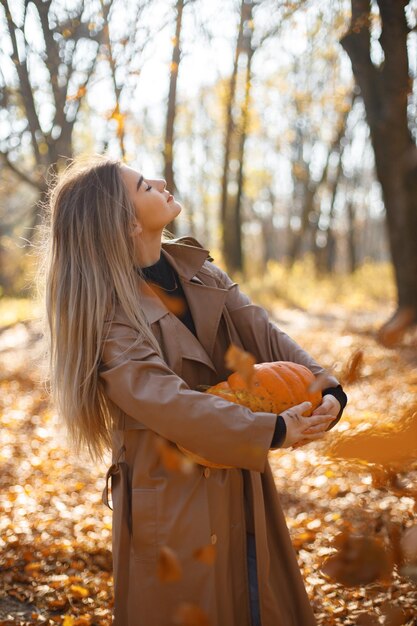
x: 79, y: 592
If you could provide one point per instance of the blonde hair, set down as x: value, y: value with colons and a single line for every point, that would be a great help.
x: 90, y: 268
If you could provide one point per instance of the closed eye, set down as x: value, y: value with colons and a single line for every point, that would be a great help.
x: 149, y: 187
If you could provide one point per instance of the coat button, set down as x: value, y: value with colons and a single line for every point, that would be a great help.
x: 213, y: 539
x: 206, y: 472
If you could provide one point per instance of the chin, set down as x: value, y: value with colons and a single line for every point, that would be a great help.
x: 177, y: 206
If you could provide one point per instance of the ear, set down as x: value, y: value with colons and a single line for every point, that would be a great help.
x: 136, y: 230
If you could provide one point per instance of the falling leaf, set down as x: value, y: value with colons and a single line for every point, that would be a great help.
x: 353, y: 368
x: 241, y: 362
x: 173, y: 303
x: 394, y: 615
x: 361, y: 560
x: 190, y: 615
x: 171, y: 458
x: 409, y: 544
x: 319, y: 383
x: 169, y: 568
x: 386, y: 443
x: 206, y: 554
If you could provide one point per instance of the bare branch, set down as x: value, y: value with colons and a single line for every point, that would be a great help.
x: 25, y: 86
x: 52, y: 60
x: 24, y: 177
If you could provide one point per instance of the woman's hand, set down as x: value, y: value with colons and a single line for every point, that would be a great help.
x: 329, y: 406
x: 302, y: 429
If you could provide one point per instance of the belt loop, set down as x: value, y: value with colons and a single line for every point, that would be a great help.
x: 112, y: 471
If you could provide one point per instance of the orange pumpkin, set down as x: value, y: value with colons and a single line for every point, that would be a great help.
x: 274, y: 387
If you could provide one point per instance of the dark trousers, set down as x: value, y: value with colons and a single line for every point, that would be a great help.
x: 253, y: 580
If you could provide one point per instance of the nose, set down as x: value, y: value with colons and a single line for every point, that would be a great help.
x: 162, y: 183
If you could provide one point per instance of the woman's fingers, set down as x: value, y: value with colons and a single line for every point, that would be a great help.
x: 301, y: 427
x: 323, y: 420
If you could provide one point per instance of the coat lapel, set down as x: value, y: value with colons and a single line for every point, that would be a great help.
x: 206, y: 305
x: 206, y: 302
x: 179, y: 342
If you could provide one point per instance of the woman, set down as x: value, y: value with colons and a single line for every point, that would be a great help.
x: 126, y: 363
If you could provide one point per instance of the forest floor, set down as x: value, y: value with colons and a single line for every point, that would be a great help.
x: 55, y: 560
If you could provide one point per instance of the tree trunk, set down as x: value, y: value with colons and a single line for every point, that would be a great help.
x: 384, y: 91
x: 309, y: 189
x: 352, y: 256
x: 234, y: 145
x: 172, y: 108
x: 233, y: 236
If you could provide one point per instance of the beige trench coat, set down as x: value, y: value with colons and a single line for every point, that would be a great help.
x: 154, y: 507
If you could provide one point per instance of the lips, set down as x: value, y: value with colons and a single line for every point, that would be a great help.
x: 170, y: 197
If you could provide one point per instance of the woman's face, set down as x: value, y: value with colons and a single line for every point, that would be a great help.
x: 154, y: 206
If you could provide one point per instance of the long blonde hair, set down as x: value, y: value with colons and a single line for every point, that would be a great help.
x: 89, y: 268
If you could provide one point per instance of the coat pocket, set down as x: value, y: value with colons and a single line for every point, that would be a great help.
x: 144, y: 524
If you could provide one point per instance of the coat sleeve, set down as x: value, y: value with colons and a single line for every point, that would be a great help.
x: 260, y: 336
x: 140, y: 383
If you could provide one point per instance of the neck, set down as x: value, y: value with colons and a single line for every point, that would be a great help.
x: 148, y: 249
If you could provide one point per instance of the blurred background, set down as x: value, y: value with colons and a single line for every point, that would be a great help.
x: 287, y: 129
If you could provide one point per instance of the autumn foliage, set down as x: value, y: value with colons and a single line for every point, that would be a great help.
x: 349, y: 499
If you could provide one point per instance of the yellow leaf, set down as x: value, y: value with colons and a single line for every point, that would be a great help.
x: 119, y: 118
x: 79, y: 592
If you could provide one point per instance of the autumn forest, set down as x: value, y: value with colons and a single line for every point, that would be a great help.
x: 287, y: 129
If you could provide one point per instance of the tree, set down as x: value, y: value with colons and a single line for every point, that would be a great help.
x: 385, y: 88
x: 172, y: 104
x: 60, y: 84
x: 47, y: 76
x: 234, y: 142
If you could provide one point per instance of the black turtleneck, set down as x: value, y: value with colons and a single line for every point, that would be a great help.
x: 163, y: 275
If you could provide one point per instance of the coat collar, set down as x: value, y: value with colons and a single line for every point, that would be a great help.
x: 206, y: 302
x: 186, y: 259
